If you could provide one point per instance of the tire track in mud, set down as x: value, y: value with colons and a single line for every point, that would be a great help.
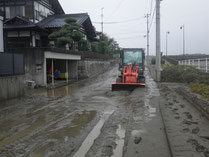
x: 41, y: 144
x: 105, y: 144
x: 125, y: 128
x: 146, y: 137
x: 185, y: 125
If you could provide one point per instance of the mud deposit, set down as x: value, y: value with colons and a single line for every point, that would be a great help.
x: 87, y: 119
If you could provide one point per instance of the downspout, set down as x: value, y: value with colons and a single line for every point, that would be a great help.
x: 1, y: 35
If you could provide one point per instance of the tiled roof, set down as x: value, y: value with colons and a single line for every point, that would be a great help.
x: 19, y: 22
x: 55, y: 21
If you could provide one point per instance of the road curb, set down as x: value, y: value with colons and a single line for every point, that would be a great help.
x: 199, y: 103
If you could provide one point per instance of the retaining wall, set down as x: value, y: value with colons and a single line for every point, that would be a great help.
x: 91, y: 68
x: 196, y: 100
x: 11, y: 87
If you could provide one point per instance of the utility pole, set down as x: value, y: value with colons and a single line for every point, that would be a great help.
x: 158, y: 42
x: 147, y: 16
x: 1, y: 35
x: 183, y: 28
x: 167, y: 33
x: 102, y: 22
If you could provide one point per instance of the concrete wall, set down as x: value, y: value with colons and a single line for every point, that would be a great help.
x: 34, y: 64
x: 90, y: 68
x: 73, y: 69
x: 11, y: 87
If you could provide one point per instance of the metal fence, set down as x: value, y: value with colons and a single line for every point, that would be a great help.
x: 201, y: 64
x: 11, y: 64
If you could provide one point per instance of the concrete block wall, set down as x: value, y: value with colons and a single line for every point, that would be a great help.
x: 90, y: 68
x: 73, y: 69
x: 11, y: 87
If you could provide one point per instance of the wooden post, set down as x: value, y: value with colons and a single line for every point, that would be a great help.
x: 206, y: 64
x: 52, y: 72
x: 77, y: 70
x: 1, y: 35
x: 67, y: 70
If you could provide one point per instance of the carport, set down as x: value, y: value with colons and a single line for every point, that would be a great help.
x: 65, y: 63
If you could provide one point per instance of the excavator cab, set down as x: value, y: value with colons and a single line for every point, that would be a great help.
x: 131, y: 70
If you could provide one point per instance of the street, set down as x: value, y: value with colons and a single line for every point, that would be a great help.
x: 87, y: 119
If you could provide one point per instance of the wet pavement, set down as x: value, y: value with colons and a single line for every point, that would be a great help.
x: 87, y: 119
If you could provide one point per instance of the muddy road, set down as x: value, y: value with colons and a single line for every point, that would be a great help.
x: 88, y: 119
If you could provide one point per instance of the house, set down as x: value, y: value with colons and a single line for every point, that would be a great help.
x: 34, y: 10
x: 27, y: 25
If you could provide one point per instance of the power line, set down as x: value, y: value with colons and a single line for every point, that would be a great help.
x: 153, y: 14
x: 135, y: 37
x: 118, y: 22
x: 128, y: 33
x: 151, y: 5
x: 117, y: 8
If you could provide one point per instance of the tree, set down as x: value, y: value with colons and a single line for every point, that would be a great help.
x: 106, y: 46
x: 70, y: 35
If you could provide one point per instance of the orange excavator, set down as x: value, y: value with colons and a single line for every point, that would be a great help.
x: 131, y: 70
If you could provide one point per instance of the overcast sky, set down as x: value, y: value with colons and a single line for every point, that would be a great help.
x: 130, y: 30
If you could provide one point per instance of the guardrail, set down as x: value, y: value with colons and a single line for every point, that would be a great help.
x: 201, y: 64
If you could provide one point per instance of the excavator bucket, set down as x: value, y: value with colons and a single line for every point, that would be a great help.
x: 126, y: 86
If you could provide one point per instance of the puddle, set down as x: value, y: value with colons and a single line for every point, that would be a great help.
x: 136, y: 133
x: 80, y: 121
x: 88, y: 142
x: 152, y: 115
x: 40, y: 121
x: 63, y: 91
x: 152, y: 110
x: 118, y: 151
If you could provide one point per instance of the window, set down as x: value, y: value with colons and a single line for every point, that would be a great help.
x: 24, y: 34
x: 7, y: 12
x: 36, y: 14
x: 132, y: 57
x: 1, y: 11
x: 41, y: 12
x: 12, y: 34
x: 29, y: 10
x: 36, y: 6
x: 20, y: 10
x: 14, y: 11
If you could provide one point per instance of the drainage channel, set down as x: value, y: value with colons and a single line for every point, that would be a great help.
x: 88, y: 142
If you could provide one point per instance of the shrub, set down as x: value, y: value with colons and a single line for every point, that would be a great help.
x: 201, y: 89
x: 183, y: 74
x: 153, y: 60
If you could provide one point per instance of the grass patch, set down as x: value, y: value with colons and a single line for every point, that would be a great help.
x: 201, y: 89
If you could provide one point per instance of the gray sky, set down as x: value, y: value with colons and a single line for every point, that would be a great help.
x: 129, y: 33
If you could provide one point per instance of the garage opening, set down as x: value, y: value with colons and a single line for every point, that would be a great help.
x: 59, y: 72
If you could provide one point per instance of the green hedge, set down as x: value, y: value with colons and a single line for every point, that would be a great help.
x: 183, y: 74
